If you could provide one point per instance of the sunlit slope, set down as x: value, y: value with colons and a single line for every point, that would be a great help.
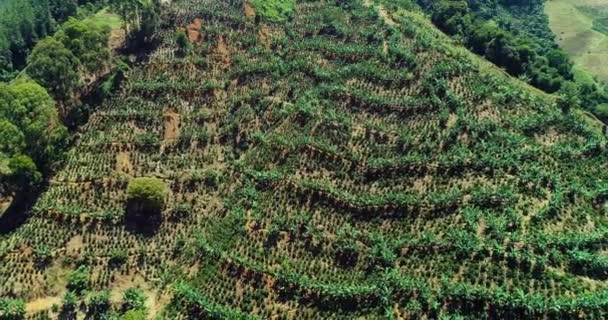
x: 351, y: 162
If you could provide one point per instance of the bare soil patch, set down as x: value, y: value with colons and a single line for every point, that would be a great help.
x: 171, y: 126
x: 249, y: 10
x: 123, y: 162
x: 193, y: 30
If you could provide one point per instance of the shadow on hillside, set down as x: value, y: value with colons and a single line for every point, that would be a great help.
x: 147, y: 227
x: 17, y: 213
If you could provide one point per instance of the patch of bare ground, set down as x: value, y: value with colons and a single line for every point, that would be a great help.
x: 155, y: 300
x: 74, y: 246
x: 548, y: 138
x: 249, y: 10
x: 265, y: 36
x: 172, y: 120
x: 123, y: 163
x: 42, y: 304
x: 221, y: 50
x: 193, y: 30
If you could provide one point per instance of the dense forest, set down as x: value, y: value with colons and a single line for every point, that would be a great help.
x: 25, y: 22
x: 514, y: 35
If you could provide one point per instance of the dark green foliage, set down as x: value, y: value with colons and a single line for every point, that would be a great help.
x: 98, y: 304
x: 183, y: 44
x: 87, y: 40
x: 33, y: 137
x: 517, y: 53
x: 55, y: 67
x: 69, y: 305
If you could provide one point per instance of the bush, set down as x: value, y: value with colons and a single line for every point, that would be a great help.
x: 150, y: 193
x: 134, y: 299
x: 146, y: 196
x: 134, y: 315
x: 12, y: 309
x: 118, y: 257
x: 78, y: 280
x: 274, y: 10
x: 181, y: 39
x: 99, y: 303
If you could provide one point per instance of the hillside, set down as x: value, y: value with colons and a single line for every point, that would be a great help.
x: 330, y: 160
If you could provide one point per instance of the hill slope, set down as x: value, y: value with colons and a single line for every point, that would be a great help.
x: 350, y: 162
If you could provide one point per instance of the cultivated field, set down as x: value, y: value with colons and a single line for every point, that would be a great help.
x: 572, y: 22
x: 348, y: 164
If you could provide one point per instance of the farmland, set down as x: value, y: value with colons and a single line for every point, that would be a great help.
x: 580, y: 27
x: 323, y: 160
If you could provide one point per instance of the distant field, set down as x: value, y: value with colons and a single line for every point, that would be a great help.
x: 104, y: 17
x: 577, y: 24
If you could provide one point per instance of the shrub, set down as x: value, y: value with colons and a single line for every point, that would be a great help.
x: 99, y: 302
x: 69, y: 303
x: 147, y: 194
x: 134, y: 315
x: 134, y: 299
x: 181, y: 39
x: 118, y: 257
x: 145, y: 202
x: 78, y: 280
x: 12, y: 309
x: 274, y: 10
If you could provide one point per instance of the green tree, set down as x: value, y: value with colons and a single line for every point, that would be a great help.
x: 99, y: 303
x: 13, y: 140
x: 55, y: 67
x: 88, y: 41
x: 33, y: 110
x: 146, y: 196
x: 23, y: 173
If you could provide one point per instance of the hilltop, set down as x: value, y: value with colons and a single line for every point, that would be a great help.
x: 324, y: 160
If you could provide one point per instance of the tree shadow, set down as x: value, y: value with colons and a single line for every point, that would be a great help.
x: 18, y: 212
x: 143, y: 222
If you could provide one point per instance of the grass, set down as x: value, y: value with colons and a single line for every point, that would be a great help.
x: 106, y: 18
x: 576, y: 27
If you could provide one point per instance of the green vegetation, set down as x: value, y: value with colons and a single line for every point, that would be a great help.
x: 277, y: 11
x: 134, y: 299
x: 146, y: 195
x: 349, y: 162
x: 79, y: 48
x: 78, y: 280
x: 12, y: 309
x: 32, y: 134
x: 24, y: 22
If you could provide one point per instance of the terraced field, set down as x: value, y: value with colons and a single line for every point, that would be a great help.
x: 350, y: 163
